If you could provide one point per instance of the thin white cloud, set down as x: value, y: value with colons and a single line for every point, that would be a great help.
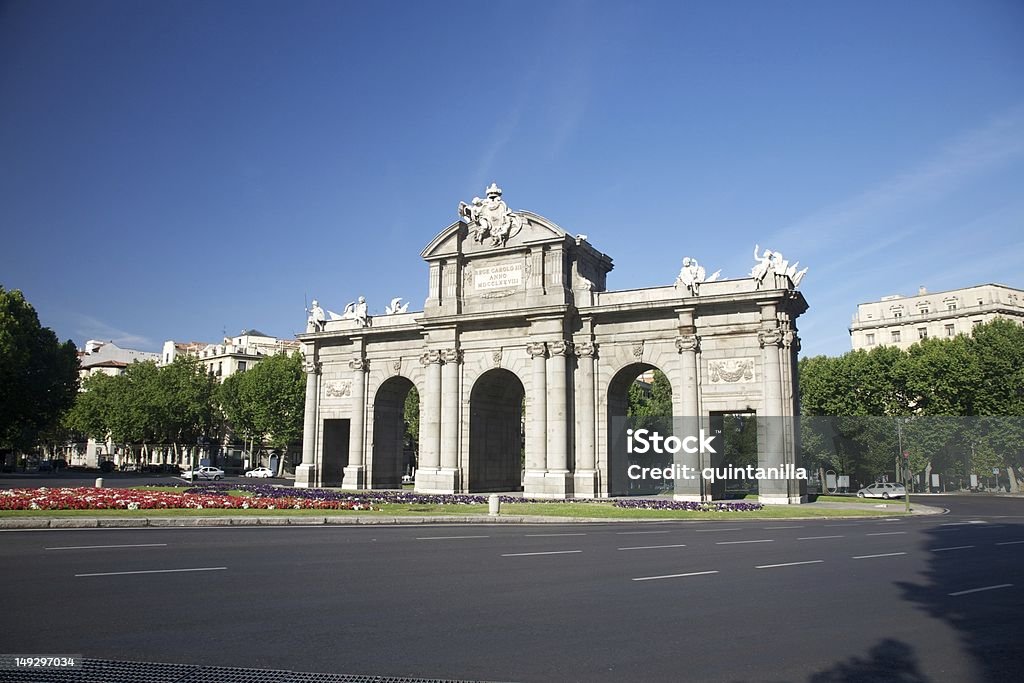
x: 87, y: 327
x: 974, y: 152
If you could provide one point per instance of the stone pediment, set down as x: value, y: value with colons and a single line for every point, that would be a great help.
x: 457, y: 238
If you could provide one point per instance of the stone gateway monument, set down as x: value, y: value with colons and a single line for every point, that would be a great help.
x: 523, y: 361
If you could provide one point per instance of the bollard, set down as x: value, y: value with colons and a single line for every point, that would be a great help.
x: 494, y: 505
x: 99, y: 482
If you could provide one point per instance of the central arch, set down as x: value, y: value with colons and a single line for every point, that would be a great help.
x: 496, y: 432
x: 625, y: 380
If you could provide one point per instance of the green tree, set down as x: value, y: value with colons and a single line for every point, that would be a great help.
x: 266, y: 404
x: 38, y: 374
x: 411, y: 416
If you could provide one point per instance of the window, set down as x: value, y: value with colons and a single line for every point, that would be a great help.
x: 922, y: 333
x: 896, y: 336
x: 897, y: 312
x: 981, y: 302
x: 870, y: 339
x: 241, y: 366
x: 950, y: 330
x: 923, y: 310
x: 950, y: 304
x: 976, y: 322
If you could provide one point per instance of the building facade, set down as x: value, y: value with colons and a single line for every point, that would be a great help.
x: 902, y: 321
x: 518, y: 317
x: 234, y: 354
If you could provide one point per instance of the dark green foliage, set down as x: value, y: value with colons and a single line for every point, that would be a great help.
x: 38, y: 374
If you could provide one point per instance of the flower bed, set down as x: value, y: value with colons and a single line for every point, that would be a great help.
x: 366, y: 497
x: 643, y: 504
x: 134, y: 499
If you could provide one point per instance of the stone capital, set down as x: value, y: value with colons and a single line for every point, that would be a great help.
x: 562, y: 347
x: 311, y: 367
x: 791, y: 340
x: 771, y: 337
x: 451, y: 356
x: 537, y: 349
x: 688, y: 342
x: 359, y: 364
x: 431, y: 357
x: 587, y: 349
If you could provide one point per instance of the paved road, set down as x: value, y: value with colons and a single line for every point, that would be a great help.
x: 924, y: 599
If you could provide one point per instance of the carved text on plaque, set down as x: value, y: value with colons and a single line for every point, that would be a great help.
x: 501, y: 276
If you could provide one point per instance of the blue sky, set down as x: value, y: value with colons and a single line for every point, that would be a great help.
x: 176, y: 170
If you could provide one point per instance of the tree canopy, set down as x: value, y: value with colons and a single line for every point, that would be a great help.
x: 952, y: 404
x: 38, y: 374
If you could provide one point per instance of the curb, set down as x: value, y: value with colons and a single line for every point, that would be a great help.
x: 339, y: 520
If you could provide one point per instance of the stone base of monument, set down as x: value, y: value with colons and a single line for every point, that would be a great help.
x: 305, y: 476
x: 780, y: 499
x: 586, y: 484
x: 354, y: 478
x: 440, y: 480
x: 548, y: 485
x: 687, y: 497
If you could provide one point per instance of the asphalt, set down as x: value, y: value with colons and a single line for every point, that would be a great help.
x: 935, y: 598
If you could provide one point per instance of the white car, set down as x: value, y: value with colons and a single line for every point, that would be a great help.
x: 882, y: 490
x: 204, y: 473
x: 263, y: 472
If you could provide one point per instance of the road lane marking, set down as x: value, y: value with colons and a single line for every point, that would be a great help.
x: 652, y: 547
x: 955, y: 547
x: 866, y: 557
x: 735, y: 528
x: 1009, y: 542
x: 760, y: 540
x: 157, y: 571
x: 786, y: 564
x: 784, y: 527
x: 984, y: 588
x: 886, y: 533
x: 815, y: 538
x: 87, y: 547
x: 446, y: 538
x: 550, y: 535
x: 549, y: 552
x: 674, y: 576
x: 629, y: 533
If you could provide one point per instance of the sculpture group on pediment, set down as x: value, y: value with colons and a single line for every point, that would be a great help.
x: 692, y: 275
x: 316, y: 320
x: 490, y: 219
x: 396, y: 306
x: 357, y: 310
x: 773, y: 263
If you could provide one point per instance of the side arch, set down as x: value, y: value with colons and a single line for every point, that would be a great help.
x: 617, y: 458
x: 388, y: 458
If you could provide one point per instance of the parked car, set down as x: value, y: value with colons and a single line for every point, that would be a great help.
x: 262, y: 472
x: 213, y: 473
x: 882, y: 490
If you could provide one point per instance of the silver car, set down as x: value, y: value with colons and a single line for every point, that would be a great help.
x: 204, y: 473
x: 883, y: 490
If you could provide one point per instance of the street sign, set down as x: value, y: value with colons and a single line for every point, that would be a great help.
x: 995, y: 470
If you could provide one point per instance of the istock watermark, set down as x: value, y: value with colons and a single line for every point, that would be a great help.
x: 712, y: 474
x: 646, y: 441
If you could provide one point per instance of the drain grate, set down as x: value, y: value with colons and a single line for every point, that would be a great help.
x: 109, y: 671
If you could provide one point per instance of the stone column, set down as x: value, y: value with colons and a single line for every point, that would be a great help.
x: 427, y: 479
x: 585, y: 479
x: 537, y: 412
x: 430, y: 421
x: 689, y: 423
x: 558, y: 479
x: 305, y: 474
x: 450, y: 415
x: 772, y: 490
x: 354, y: 476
